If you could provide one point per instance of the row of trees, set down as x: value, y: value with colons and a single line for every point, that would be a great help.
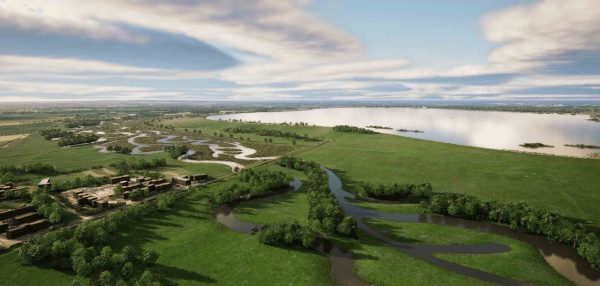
x: 251, y: 184
x: 85, y: 248
x: 75, y: 139
x: 79, y: 182
x: 81, y: 121
x: 126, y: 166
x: 51, y: 133
x: 36, y: 168
x: 520, y: 215
x: 119, y: 148
x: 269, y: 132
x: 394, y: 192
x: 353, y: 129
x: 287, y: 233
x: 176, y: 150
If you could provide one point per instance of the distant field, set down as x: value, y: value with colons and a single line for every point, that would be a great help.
x: 35, y: 148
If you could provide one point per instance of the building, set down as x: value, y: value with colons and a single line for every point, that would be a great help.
x: 45, y: 184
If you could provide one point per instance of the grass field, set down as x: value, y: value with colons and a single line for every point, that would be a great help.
x: 194, y: 249
x: 566, y: 185
x: 523, y: 262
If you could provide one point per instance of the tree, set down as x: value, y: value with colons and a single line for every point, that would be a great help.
x: 145, y: 279
x: 105, y: 278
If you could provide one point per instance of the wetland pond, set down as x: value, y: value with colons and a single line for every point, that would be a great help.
x: 486, y: 129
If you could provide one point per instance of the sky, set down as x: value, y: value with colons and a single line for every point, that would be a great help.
x: 70, y: 50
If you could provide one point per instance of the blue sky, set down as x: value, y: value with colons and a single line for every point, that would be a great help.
x: 299, y: 49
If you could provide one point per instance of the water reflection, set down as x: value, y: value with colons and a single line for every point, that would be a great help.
x: 488, y: 129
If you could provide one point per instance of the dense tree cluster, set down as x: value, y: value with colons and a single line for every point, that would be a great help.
x: 81, y: 121
x: 394, y: 192
x: 287, y: 233
x: 46, y: 206
x: 353, y: 129
x: 251, y: 184
x: 176, y: 150
x: 75, y: 139
x: 269, y: 132
x: 125, y: 166
x: 79, y: 182
x: 324, y: 215
x: 297, y: 164
x: 85, y: 248
x: 37, y: 168
x: 519, y: 215
x: 51, y: 133
x: 118, y: 148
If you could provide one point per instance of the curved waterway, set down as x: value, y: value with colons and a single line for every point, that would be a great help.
x: 562, y: 258
x: 487, y: 129
x: 342, y: 264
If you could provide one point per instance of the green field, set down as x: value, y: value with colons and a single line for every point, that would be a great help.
x: 523, y: 262
x: 194, y: 249
x: 566, y: 185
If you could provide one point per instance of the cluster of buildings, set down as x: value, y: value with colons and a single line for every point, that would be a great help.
x: 21, y: 221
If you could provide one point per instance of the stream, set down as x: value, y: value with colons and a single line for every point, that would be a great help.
x: 562, y: 258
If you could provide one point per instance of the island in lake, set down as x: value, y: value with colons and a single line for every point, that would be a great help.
x: 536, y: 145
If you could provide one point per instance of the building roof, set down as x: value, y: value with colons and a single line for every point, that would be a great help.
x: 45, y: 181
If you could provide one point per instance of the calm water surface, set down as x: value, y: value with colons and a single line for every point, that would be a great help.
x: 487, y: 129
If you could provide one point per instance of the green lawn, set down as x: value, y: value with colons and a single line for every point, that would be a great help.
x: 523, y: 262
x: 566, y: 185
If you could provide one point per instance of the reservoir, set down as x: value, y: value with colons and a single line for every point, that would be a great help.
x: 486, y: 129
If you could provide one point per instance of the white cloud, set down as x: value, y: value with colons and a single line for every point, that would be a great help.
x: 543, y: 29
x: 281, y: 30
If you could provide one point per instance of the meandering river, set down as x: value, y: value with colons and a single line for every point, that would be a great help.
x: 487, y: 129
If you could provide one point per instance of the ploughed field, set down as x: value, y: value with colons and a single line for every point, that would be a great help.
x: 194, y: 249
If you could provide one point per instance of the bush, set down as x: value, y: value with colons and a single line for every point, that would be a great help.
x: 394, y: 192
x: 176, y: 150
x: 292, y: 233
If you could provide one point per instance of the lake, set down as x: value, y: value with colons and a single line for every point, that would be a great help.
x: 487, y: 129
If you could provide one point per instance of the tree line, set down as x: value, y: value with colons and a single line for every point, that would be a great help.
x: 394, y: 192
x: 46, y: 206
x: 81, y: 121
x: 68, y: 137
x: 269, y: 132
x: 250, y: 184
x: 126, y: 166
x: 79, y: 182
x: 85, y: 250
x: 519, y: 215
x: 352, y: 129
x: 36, y: 168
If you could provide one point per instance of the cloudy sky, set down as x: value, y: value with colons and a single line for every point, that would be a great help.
x: 298, y: 49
